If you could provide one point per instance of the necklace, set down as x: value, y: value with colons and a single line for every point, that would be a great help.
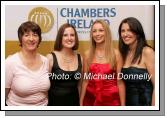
x: 67, y: 60
x: 131, y: 54
x: 100, y: 57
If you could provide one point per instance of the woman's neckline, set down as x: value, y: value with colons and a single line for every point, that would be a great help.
x: 34, y: 71
x: 100, y: 63
x: 134, y: 67
x: 67, y: 70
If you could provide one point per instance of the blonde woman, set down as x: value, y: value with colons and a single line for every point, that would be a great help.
x: 101, y: 64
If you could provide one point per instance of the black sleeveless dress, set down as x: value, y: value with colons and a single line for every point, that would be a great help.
x: 138, y: 88
x: 64, y: 85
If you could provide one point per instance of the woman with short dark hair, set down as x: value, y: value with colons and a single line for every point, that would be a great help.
x: 26, y: 72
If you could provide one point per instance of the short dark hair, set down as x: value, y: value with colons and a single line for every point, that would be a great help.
x: 136, y: 27
x: 58, y: 42
x: 27, y: 27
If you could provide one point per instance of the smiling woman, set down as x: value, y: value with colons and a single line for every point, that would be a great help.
x: 65, y: 62
x: 138, y: 58
x: 26, y: 71
x: 102, y: 61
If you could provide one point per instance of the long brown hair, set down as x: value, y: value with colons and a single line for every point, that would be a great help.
x: 58, y: 43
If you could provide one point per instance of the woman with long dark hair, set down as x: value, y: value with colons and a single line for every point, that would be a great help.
x: 138, y: 70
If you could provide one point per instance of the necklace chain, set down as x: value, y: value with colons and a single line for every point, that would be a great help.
x: 131, y: 54
x: 67, y: 60
x: 100, y: 57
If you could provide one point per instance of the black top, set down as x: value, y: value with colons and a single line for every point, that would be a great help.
x: 138, y: 86
x: 64, y: 85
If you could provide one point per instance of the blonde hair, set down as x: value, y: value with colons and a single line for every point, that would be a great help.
x: 109, y: 50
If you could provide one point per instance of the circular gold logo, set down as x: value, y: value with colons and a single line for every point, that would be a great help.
x: 43, y: 17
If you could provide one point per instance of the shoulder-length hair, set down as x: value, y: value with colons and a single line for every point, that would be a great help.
x: 136, y: 27
x: 109, y: 50
x: 58, y: 43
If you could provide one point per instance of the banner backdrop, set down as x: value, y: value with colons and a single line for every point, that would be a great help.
x: 51, y: 17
